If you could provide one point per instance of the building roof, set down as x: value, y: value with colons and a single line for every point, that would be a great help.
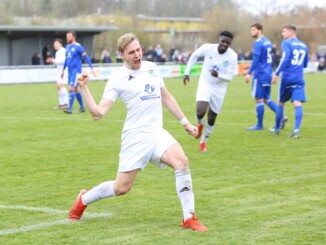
x: 19, y: 31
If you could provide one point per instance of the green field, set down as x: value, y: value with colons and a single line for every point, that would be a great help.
x: 250, y: 187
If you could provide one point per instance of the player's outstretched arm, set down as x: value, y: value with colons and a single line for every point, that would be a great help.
x: 97, y: 111
x: 172, y: 106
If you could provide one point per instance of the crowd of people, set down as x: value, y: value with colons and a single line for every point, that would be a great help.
x: 174, y: 55
x: 152, y: 54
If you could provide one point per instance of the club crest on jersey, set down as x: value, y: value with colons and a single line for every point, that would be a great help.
x: 149, y: 88
x: 225, y: 63
x: 153, y: 73
x: 215, y: 68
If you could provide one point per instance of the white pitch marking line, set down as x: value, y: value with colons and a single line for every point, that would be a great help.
x: 26, y: 208
x: 34, y: 227
x: 45, y: 224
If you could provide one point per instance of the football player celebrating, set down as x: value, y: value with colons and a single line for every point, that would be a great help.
x: 220, y: 65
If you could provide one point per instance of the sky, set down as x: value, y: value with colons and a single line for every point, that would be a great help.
x: 254, y: 3
x: 313, y: 3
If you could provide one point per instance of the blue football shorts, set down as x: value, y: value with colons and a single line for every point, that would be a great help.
x: 72, y: 78
x: 292, y: 90
x: 260, y: 90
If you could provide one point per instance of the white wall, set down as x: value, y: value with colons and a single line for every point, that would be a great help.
x: 49, y: 74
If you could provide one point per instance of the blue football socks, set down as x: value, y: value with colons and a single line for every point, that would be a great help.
x: 260, y: 109
x: 80, y: 100
x: 298, y: 116
x: 279, y: 116
x: 272, y: 105
x: 71, y: 99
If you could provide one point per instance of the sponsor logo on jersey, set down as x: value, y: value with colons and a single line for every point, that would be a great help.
x: 215, y: 68
x: 225, y: 63
x: 149, y: 88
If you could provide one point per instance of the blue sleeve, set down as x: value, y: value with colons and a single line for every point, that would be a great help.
x: 286, y: 53
x: 256, y: 56
x: 88, y: 60
x: 85, y: 56
x: 254, y: 63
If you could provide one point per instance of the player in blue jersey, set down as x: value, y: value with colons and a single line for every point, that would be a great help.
x: 292, y: 85
x: 261, y: 68
x: 75, y: 53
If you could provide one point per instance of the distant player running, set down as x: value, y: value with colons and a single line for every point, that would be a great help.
x: 75, y: 53
x: 219, y: 67
x: 292, y: 85
x: 261, y: 67
x: 141, y: 87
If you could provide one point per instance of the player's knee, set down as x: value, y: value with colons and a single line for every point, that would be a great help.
x: 297, y: 103
x: 182, y: 163
x: 122, y: 190
x: 211, y: 121
x: 200, y: 114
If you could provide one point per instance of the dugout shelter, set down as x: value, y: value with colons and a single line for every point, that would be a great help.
x: 19, y: 43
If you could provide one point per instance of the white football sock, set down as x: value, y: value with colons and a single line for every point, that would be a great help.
x: 60, y: 96
x: 184, y: 190
x: 103, y: 190
x: 64, y: 96
x: 200, y: 121
x: 208, y: 131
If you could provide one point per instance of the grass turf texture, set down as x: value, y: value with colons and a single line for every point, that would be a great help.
x: 250, y: 187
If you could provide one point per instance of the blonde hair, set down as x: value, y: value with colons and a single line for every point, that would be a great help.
x: 124, y: 40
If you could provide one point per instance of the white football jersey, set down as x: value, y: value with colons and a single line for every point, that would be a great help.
x: 60, y: 57
x: 140, y: 91
x: 225, y: 64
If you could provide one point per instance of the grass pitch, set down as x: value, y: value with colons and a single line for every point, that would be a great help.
x: 250, y: 187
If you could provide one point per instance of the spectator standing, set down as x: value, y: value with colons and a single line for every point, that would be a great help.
x: 321, y: 64
x: 36, y: 59
x: 106, y: 56
x: 46, y: 53
x: 95, y: 58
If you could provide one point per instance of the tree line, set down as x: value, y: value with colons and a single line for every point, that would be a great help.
x: 232, y: 15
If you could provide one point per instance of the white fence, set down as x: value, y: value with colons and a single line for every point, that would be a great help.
x: 41, y: 74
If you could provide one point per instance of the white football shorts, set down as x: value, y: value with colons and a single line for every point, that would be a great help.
x: 65, y: 77
x: 213, y: 94
x: 140, y: 148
